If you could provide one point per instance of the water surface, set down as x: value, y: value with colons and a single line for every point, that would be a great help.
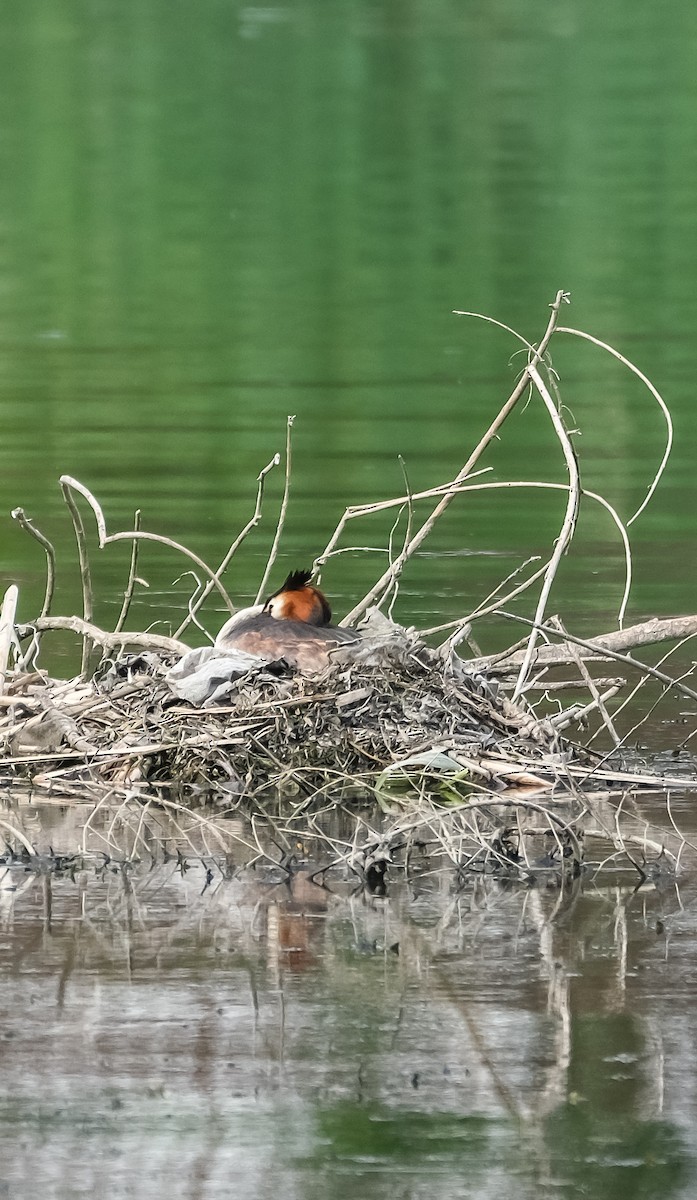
x: 217, y: 219
x: 168, y: 1036
x: 214, y: 216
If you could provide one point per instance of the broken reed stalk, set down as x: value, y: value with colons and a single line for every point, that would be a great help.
x: 85, y: 575
x: 567, y: 530
x: 7, y: 625
x: 283, y: 510
x: 19, y: 515
x: 396, y: 568
x: 131, y: 582
x: 251, y: 524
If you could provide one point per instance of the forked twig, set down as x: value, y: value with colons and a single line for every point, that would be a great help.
x: 68, y: 484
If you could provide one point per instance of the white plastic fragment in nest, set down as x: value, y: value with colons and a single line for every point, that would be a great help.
x: 205, y: 676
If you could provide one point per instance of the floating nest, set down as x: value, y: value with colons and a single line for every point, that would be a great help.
x: 387, y: 711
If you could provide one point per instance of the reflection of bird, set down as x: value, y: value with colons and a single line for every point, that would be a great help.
x: 293, y: 624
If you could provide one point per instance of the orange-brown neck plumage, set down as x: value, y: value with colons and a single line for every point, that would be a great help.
x: 297, y: 600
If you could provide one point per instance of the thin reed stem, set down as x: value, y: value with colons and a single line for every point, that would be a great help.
x: 420, y: 536
x: 282, y: 513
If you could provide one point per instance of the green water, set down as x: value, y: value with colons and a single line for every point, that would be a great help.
x: 214, y: 215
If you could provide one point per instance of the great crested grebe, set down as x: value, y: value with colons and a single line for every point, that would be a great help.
x: 294, y: 624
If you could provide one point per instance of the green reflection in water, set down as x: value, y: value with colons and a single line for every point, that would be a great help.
x: 372, y: 1134
x: 581, y: 1152
x: 613, y: 1157
x: 598, y: 1140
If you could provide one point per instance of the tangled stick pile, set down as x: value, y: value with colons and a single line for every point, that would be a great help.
x: 394, y: 706
x: 394, y: 709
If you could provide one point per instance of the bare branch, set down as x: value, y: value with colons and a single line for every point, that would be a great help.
x: 422, y: 533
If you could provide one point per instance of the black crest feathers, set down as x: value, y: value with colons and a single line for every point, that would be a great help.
x: 295, y: 581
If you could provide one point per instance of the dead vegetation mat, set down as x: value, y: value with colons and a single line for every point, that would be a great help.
x: 356, y: 725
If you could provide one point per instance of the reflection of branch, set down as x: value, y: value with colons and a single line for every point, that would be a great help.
x: 19, y: 835
x: 558, y: 998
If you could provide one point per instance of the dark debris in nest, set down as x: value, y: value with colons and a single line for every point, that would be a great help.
x: 391, y: 706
